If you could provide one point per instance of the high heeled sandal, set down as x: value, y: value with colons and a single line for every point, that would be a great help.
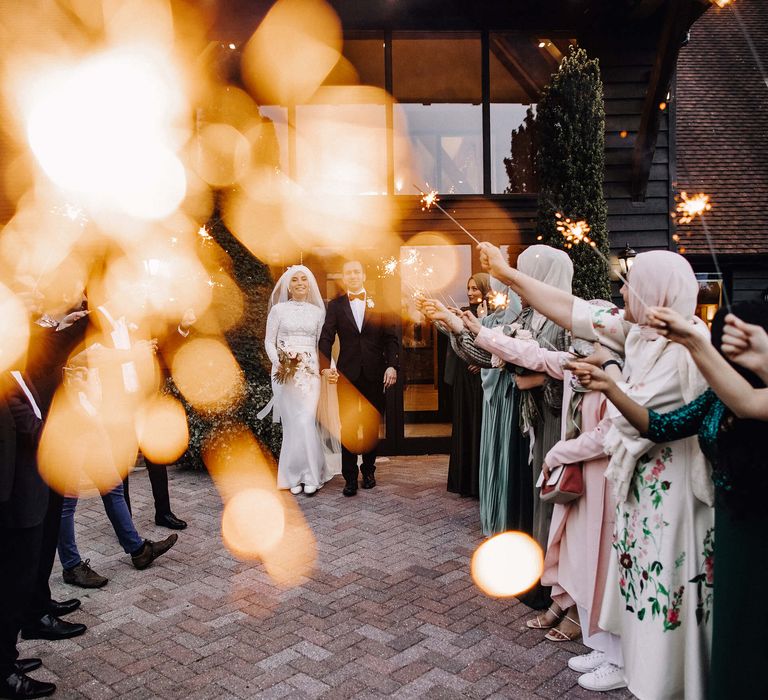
x: 557, y: 635
x: 536, y: 624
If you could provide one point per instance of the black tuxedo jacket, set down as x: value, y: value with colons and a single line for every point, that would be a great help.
x: 23, y: 493
x: 367, y: 352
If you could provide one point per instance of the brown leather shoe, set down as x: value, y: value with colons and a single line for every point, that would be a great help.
x: 152, y: 550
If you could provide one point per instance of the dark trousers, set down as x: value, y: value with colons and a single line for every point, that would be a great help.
x: 158, y: 479
x: 41, y: 593
x: 20, y: 554
x: 361, y: 404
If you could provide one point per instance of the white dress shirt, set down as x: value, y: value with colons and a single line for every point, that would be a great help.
x: 20, y: 381
x: 358, y: 308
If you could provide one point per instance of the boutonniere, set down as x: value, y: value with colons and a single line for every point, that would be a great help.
x: 370, y: 303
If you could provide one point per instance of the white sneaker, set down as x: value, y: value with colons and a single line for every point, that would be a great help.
x: 296, y: 490
x: 586, y: 662
x: 605, y: 677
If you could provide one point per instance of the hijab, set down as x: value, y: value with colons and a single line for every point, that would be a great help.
x: 548, y: 265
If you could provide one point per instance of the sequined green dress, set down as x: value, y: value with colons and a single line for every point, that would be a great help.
x: 740, y: 620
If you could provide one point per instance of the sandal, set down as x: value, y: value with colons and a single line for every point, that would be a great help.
x: 557, y: 635
x: 537, y: 624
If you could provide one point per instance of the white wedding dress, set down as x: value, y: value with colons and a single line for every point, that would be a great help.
x: 294, y: 327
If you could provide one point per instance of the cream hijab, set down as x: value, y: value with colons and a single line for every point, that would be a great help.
x: 548, y: 265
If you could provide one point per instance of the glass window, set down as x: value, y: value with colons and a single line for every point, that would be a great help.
x: 520, y: 66
x: 341, y: 141
x: 440, y: 111
x: 273, y: 136
x: 362, y: 63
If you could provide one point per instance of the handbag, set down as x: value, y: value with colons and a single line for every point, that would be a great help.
x: 565, y: 484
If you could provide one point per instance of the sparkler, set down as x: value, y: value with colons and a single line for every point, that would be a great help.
x: 203, y: 233
x: 498, y: 300
x: 430, y: 199
x: 575, y: 232
x: 688, y: 208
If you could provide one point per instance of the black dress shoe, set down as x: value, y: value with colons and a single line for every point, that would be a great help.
x: 350, y: 490
x: 59, y: 609
x: 18, y: 685
x: 152, y: 550
x: 27, y: 665
x: 369, y: 482
x: 170, y: 521
x: 50, y: 627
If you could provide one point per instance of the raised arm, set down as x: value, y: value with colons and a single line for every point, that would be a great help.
x: 524, y: 353
x: 732, y: 389
x: 554, y: 303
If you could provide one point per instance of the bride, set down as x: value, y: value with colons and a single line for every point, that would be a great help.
x: 296, y: 316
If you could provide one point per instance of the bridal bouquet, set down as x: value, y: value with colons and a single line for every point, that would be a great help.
x: 294, y: 366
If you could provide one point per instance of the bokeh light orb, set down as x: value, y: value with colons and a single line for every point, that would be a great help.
x: 161, y: 427
x: 253, y: 523
x: 507, y: 564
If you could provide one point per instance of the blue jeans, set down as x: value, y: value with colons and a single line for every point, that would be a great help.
x: 119, y: 516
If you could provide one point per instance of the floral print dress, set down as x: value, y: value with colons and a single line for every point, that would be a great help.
x: 659, y: 591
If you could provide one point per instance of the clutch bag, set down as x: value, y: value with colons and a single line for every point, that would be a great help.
x: 565, y: 484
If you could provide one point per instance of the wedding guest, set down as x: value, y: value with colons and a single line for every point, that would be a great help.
x: 579, y: 544
x: 51, y: 343
x: 367, y: 367
x: 158, y: 473
x: 664, y: 521
x: 501, y: 443
x: 23, y: 503
x: 467, y: 404
x: 732, y: 440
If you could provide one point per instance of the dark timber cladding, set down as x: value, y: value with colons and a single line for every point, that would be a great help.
x: 636, y: 42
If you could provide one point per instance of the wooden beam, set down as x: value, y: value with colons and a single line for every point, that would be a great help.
x: 679, y: 17
x: 514, y: 67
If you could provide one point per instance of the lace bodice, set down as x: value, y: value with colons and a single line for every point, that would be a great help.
x: 293, y: 325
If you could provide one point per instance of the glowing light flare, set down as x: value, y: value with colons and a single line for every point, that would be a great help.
x: 387, y: 267
x: 100, y: 457
x: 574, y: 232
x: 507, y: 564
x: 253, y: 523
x: 107, y: 128
x: 207, y: 374
x: 292, y: 51
x: 688, y: 208
x: 161, y: 429
x: 14, y: 329
x: 721, y: 3
x: 221, y: 154
x: 498, y: 300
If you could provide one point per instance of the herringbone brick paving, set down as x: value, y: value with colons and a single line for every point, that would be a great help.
x: 390, y: 609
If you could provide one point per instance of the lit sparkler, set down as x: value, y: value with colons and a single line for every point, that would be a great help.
x: 388, y: 267
x: 498, y: 300
x: 688, y: 208
x: 430, y: 199
x: 722, y: 3
x: 203, y: 233
x: 574, y: 232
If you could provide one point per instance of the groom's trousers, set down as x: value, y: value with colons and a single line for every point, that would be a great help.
x: 361, y: 405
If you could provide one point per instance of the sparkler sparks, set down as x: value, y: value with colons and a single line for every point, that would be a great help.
x: 498, y: 300
x: 203, y: 233
x: 722, y: 3
x: 574, y: 232
x: 387, y: 267
x: 688, y: 208
x: 428, y: 199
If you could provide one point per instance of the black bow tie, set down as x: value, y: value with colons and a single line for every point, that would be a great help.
x: 360, y: 296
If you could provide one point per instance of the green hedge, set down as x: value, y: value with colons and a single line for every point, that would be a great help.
x: 570, y: 165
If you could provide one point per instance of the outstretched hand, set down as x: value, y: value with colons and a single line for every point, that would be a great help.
x: 471, y: 322
x: 492, y: 260
x: 591, y: 377
x: 670, y: 324
x: 745, y: 343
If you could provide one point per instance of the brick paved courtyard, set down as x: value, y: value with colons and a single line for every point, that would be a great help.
x: 389, y: 611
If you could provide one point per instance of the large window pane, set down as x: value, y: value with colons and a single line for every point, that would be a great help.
x: 274, y: 136
x: 437, y: 82
x: 341, y: 144
x: 520, y: 66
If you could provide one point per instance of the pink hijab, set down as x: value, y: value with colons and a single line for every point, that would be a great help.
x: 662, y: 278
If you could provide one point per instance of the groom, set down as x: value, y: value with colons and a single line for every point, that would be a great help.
x: 367, y: 367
